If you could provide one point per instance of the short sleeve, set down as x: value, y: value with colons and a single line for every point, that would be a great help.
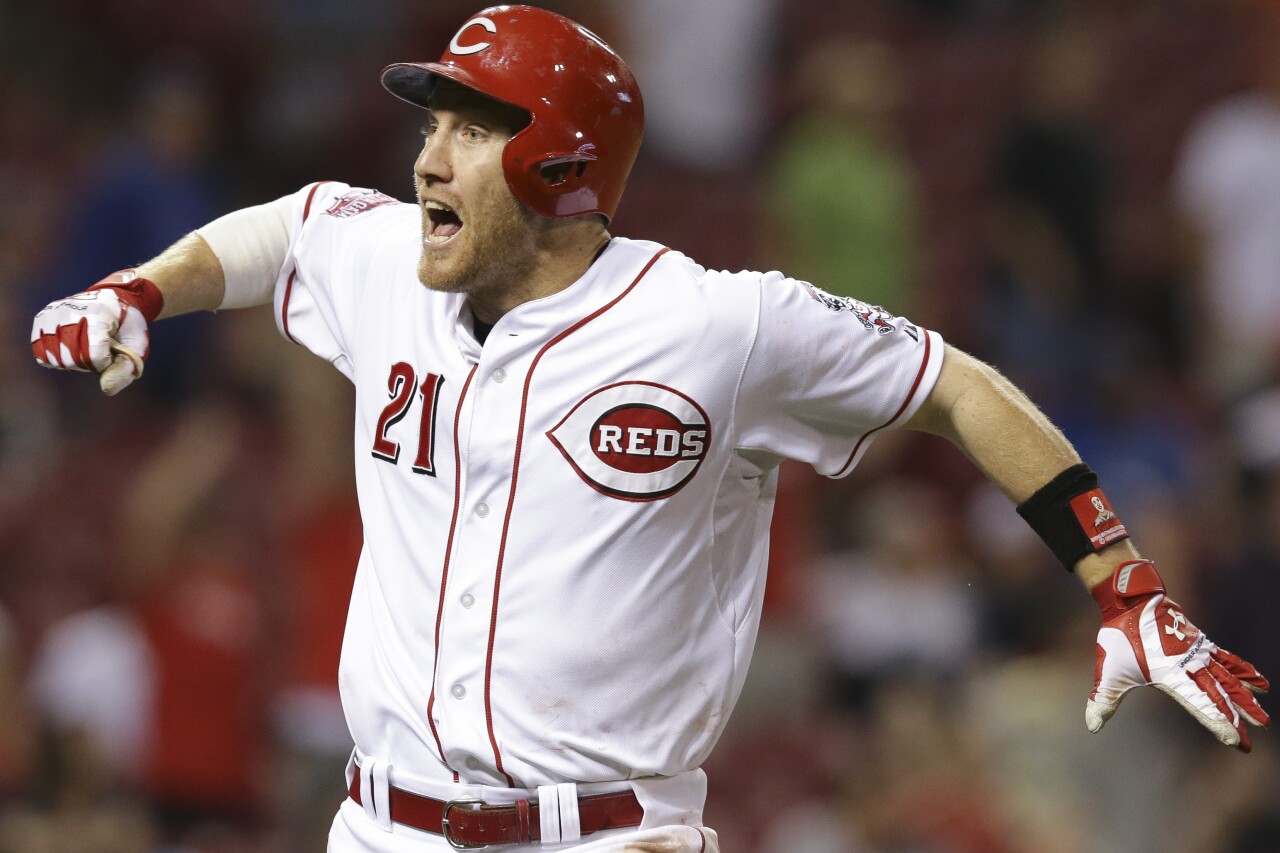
x: 335, y: 229
x: 826, y: 374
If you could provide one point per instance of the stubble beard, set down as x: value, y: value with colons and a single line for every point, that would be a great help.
x: 494, y: 255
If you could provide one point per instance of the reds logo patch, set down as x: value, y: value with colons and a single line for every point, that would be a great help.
x: 358, y: 201
x: 872, y: 317
x: 637, y: 441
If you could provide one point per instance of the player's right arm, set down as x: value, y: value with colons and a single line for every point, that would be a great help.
x: 104, y: 329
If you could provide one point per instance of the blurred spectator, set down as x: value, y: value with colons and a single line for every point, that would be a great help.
x: 111, y: 828
x: 72, y: 797
x: 1046, y: 223
x: 29, y: 428
x: 795, y: 763
x: 15, y: 723
x: 1063, y: 789
x: 813, y: 827
x: 321, y: 536
x: 1255, y: 431
x: 197, y: 579
x: 1244, y: 577
x: 146, y: 185
x: 93, y: 680
x: 704, y: 72
x: 322, y: 546
x: 1022, y: 586
x: 1240, y: 813
x: 1228, y: 185
x: 163, y: 693
x: 31, y: 186
x: 1053, y: 164
x: 914, y: 783
x: 842, y: 194
x: 702, y: 67
x: 928, y: 787
x: 1143, y: 435
x: 898, y: 605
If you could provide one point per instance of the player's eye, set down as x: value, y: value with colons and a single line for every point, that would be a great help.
x: 474, y: 134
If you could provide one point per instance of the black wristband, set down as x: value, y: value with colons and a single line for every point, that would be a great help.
x: 1072, y: 515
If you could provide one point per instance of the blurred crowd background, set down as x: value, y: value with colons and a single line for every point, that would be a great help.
x: 1085, y: 193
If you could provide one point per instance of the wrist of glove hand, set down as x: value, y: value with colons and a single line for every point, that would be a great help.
x: 1146, y: 638
x: 103, y: 330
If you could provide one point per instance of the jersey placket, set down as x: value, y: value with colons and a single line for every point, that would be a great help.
x: 487, y: 433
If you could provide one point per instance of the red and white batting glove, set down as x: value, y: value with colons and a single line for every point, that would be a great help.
x: 1146, y: 639
x: 102, y: 330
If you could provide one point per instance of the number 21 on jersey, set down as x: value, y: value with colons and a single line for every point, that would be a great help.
x: 401, y: 384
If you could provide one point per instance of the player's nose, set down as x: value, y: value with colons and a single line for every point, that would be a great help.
x: 433, y: 163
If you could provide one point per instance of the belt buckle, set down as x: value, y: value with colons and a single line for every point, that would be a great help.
x: 471, y: 805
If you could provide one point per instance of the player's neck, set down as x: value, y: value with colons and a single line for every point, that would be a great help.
x: 562, y: 257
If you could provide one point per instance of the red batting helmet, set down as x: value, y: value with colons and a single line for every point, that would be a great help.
x: 587, y: 114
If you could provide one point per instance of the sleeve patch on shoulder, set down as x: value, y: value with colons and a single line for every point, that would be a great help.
x: 873, y: 317
x: 356, y: 202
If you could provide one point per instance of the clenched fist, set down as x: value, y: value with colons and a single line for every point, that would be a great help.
x: 102, y: 330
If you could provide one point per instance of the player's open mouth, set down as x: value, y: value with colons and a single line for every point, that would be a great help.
x: 442, y: 223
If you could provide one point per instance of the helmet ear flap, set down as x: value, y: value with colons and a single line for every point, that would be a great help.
x: 559, y: 174
x: 546, y: 180
x: 555, y: 174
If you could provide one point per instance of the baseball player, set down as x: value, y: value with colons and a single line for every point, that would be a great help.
x: 566, y: 448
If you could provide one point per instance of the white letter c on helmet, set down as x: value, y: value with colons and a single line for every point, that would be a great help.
x: 460, y: 50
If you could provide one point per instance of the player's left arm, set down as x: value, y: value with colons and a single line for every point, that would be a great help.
x: 1145, y: 637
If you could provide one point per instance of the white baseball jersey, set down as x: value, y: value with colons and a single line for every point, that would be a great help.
x: 566, y: 529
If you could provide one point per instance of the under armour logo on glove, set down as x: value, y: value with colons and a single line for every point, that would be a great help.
x: 1178, y: 621
x: 1145, y: 638
x: 102, y: 330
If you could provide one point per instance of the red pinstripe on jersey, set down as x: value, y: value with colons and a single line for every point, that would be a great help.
x: 444, y: 574
x: 511, y: 499
x: 288, y: 287
x: 915, y: 386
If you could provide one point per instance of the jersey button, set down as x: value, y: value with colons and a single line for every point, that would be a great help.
x: 499, y: 375
x: 458, y: 691
x: 467, y: 600
x: 482, y: 509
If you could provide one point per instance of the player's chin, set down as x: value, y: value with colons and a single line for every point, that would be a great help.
x: 440, y: 271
